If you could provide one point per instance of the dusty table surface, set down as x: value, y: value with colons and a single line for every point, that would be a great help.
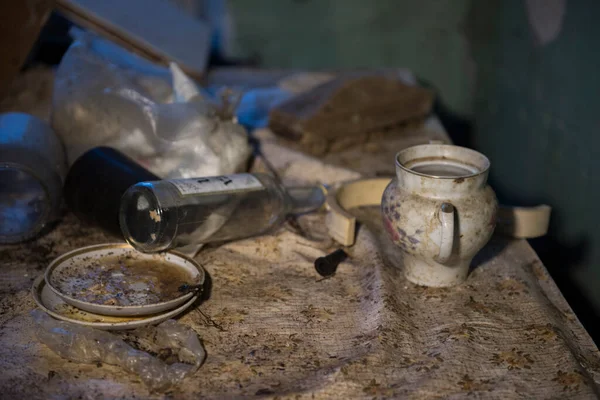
x: 272, y: 327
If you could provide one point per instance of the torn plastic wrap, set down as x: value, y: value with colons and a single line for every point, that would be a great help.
x: 106, y: 96
x: 177, y: 344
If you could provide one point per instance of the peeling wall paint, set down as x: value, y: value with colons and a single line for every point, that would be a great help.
x: 545, y: 18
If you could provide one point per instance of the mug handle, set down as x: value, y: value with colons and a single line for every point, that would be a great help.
x: 446, y: 217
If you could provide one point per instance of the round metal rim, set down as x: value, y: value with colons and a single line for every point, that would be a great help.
x: 134, y: 323
x: 483, y: 171
x: 122, y: 310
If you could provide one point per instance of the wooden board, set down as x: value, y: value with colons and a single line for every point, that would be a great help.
x: 342, y: 112
x: 154, y: 29
x: 20, y: 26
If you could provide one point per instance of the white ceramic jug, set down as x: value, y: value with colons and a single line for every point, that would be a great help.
x: 440, y: 211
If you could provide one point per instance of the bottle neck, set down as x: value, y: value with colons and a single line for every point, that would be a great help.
x: 305, y: 199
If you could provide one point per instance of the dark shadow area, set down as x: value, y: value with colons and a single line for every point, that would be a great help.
x: 206, y: 288
x: 562, y: 261
x: 52, y: 43
x: 460, y: 129
x: 492, y: 249
x: 204, y: 296
x: 217, y: 59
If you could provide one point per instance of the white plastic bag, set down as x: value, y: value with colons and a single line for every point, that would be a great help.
x: 106, y: 96
x: 87, y: 345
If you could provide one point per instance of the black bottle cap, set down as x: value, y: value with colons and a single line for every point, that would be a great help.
x: 96, y: 182
x: 326, y: 266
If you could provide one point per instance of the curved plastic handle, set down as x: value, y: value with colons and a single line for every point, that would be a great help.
x: 446, y: 216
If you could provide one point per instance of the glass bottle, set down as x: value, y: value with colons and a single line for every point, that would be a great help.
x: 160, y: 215
x: 32, y: 168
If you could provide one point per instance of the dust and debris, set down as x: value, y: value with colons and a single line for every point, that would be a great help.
x: 154, y: 215
x: 268, y: 328
x: 271, y: 330
x: 122, y: 280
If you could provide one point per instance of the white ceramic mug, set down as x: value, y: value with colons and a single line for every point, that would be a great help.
x: 440, y: 211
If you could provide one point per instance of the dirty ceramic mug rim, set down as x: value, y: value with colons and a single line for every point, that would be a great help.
x: 475, y: 153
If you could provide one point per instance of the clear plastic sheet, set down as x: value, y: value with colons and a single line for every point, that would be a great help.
x: 178, y: 350
x: 106, y: 96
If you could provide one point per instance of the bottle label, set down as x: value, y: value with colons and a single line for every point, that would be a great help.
x: 217, y: 184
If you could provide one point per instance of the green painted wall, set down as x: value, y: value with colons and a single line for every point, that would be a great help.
x: 537, y: 118
x: 425, y: 36
x: 534, y: 109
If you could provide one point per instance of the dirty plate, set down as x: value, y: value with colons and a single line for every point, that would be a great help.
x: 116, y: 280
x: 48, y: 301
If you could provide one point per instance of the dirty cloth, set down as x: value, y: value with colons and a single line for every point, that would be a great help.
x: 272, y: 327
